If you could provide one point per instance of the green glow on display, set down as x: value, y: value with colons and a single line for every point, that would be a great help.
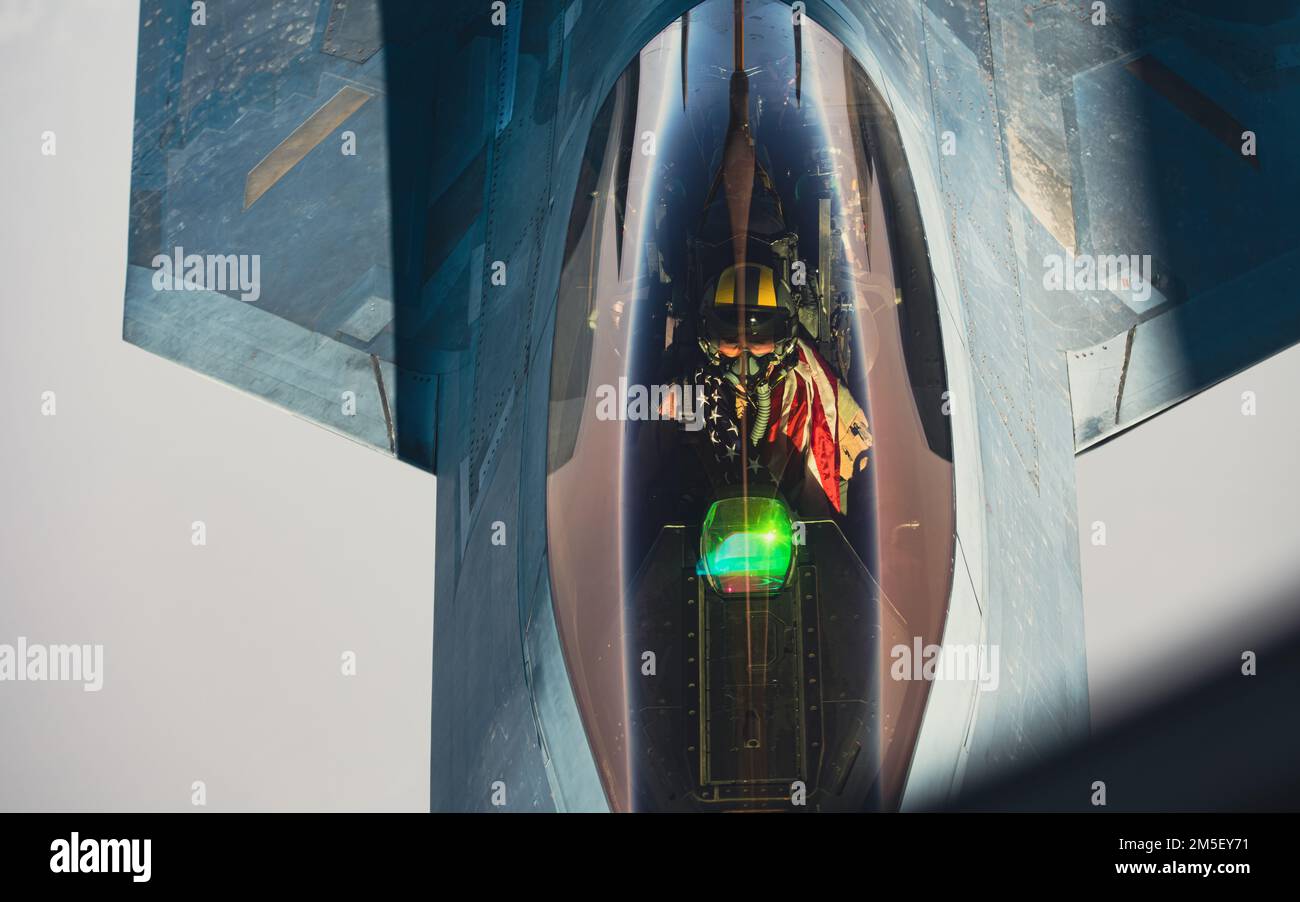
x: 747, y: 545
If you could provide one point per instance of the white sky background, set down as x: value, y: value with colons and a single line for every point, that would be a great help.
x: 222, y: 663
x: 1202, y: 561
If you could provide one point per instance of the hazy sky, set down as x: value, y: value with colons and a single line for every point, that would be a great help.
x: 1200, y: 506
x: 221, y: 663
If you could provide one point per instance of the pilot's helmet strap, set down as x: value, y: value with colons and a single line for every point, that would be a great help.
x: 710, y: 351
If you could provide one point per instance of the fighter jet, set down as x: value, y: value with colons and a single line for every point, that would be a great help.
x: 869, y: 274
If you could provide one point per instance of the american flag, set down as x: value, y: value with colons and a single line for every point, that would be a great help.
x: 817, y: 413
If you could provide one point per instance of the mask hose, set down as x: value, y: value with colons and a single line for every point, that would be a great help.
x: 762, y: 412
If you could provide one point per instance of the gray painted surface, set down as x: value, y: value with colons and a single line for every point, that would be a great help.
x: 251, y: 349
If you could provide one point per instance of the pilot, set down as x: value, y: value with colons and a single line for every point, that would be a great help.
x: 769, y: 398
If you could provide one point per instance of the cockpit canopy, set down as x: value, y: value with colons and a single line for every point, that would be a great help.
x: 767, y: 537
